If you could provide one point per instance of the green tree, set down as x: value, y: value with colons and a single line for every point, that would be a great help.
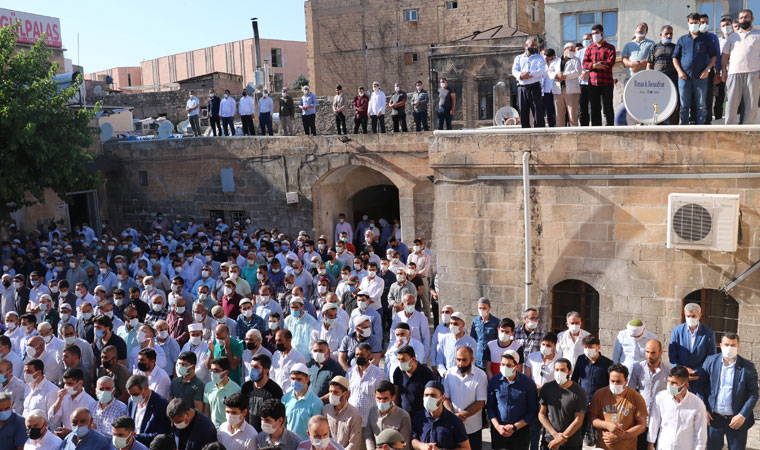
x: 300, y: 82
x: 43, y: 142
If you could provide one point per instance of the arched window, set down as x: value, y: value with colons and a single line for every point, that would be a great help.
x: 575, y: 295
x: 720, y: 312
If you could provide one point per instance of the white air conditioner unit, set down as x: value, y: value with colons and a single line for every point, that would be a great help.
x: 291, y: 197
x: 703, y: 222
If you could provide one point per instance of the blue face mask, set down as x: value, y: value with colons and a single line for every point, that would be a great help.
x: 276, y: 248
x: 254, y: 374
x: 285, y: 248
x: 3, y: 379
x: 296, y: 314
x: 5, y: 415
x: 298, y: 386
x: 352, y: 288
x: 99, y: 333
x: 667, y: 40
x: 80, y: 432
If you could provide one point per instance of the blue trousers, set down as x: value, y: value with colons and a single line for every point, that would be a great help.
x: 737, y: 439
x: 265, y: 122
x: 696, y: 91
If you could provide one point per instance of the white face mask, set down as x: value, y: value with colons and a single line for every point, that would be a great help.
x: 445, y: 317
x: 248, y: 313
x: 532, y: 324
x: 703, y: 27
x: 483, y: 313
x: 335, y: 400
x: 729, y: 352
x: 504, y: 337
x: 507, y: 372
x: 546, y: 351
x: 574, y: 328
x: 693, y: 27
x: 195, y: 340
x: 692, y: 322
x: 454, y: 329
x: 571, y: 54
x: 616, y: 389
x: 596, y: 37
x: 590, y: 352
x: 319, y: 357
x: 560, y: 377
x: 366, y: 332
x: 726, y: 30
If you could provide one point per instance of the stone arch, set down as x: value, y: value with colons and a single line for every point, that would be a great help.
x: 574, y: 295
x: 720, y: 311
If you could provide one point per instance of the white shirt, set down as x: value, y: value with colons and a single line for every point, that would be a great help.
x: 568, y: 348
x: 42, y: 396
x: 677, y: 425
x: 227, y: 107
x: 744, y: 50
x: 418, y: 326
x: 16, y: 362
x: 376, y: 103
x: 246, y: 106
x: 15, y: 336
x: 160, y: 357
x: 374, y: 287
x: 192, y: 102
x: 541, y: 372
x: 333, y: 335
x: 68, y: 405
x: 201, y: 353
x: 243, y: 439
x: 48, y: 442
x: 18, y: 390
x: 140, y: 415
x: 464, y: 390
x: 281, y: 365
x: 391, y: 357
x: 158, y: 381
x: 266, y: 105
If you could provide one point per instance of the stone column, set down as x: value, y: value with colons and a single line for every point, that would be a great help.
x: 406, y: 214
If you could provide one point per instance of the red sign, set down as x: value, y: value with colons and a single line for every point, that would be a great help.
x: 33, y: 26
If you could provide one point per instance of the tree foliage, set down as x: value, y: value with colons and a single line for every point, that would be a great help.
x: 43, y: 142
x: 300, y: 82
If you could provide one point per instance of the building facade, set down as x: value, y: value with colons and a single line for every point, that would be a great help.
x: 123, y: 77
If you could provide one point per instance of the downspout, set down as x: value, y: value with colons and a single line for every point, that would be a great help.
x: 526, y: 210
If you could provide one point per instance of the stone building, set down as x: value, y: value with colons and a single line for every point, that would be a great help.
x: 598, y: 208
x: 356, y: 42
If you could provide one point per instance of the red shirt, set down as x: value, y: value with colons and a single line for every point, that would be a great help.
x: 603, y: 52
x: 361, y: 102
x: 231, y: 305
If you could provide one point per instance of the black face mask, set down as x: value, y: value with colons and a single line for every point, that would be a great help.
x: 34, y: 433
x: 142, y: 367
x: 6, y: 283
x: 281, y: 347
x: 361, y: 361
x: 745, y: 25
x: 107, y: 364
x: 532, y: 50
x: 251, y: 346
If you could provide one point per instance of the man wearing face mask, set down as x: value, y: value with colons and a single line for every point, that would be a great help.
x: 690, y: 344
x: 562, y: 409
x: 36, y: 350
x: 363, y: 377
x: 484, y: 329
x: 308, y: 106
x: 564, y: 73
x: 387, y: 417
x: 124, y: 434
x: 219, y: 388
x: 618, y: 413
x: 420, y: 100
x: 273, y: 432
x: 447, y: 101
x: 416, y: 322
x: 401, y: 287
x: 340, y: 106
x: 287, y: 110
x: 570, y: 341
x: 649, y: 377
x: 398, y: 109
x: 436, y: 425
x: 284, y: 359
x: 300, y: 401
x: 227, y: 113
x: 704, y: 28
x: 191, y: 429
x: 110, y: 367
x: 70, y: 397
x: 214, y: 103
x: 694, y: 57
x: 246, y: 109
x: 7, y: 295
x: 322, y: 369
x: 192, y: 108
x: 465, y: 389
x: 441, y: 329
x: 37, y: 429
x: 741, y: 77
x: 512, y: 404
x: 529, y: 334
x: 145, y: 339
x: 629, y: 344
x: 331, y: 330
x: 495, y: 349
x: 108, y: 407
x: 253, y: 346
x: 401, y: 338
x: 83, y: 436
x: 529, y: 69
x: 13, y: 387
x: 377, y: 108
x: 259, y: 388
x: 247, y: 320
x: 635, y: 52
x: 13, y: 431
x: 449, y: 343
x: 361, y: 107
x: 235, y: 432
x: 679, y: 418
x: 158, y: 379
x: 186, y: 385
x: 318, y: 436
x: 343, y: 418
x: 266, y: 107
x: 661, y: 60
x: 598, y: 60
x: 731, y: 395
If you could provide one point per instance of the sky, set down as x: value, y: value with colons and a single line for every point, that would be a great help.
x: 113, y: 34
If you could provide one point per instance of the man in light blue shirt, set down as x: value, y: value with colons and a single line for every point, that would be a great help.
x: 636, y: 52
x: 308, y: 106
x: 529, y: 69
x: 266, y: 106
x: 82, y: 436
x: 447, y: 348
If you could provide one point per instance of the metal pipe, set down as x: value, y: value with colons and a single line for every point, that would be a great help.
x: 741, y: 277
x: 627, y: 176
x: 526, y: 208
x: 255, y: 24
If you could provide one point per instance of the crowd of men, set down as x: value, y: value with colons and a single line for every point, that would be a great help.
x: 210, y: 336
x: 576, y: 87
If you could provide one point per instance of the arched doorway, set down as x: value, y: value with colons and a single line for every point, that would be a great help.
x: 720, y: 311
x: 574, y: 295
x: 378, y: 201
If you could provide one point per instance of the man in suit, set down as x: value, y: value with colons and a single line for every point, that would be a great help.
x: 690, y: 344
x: 21, y: 297
x: 731, y: 395
x: 147, y: 408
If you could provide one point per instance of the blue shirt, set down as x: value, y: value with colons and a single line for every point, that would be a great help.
x: 534, y: 64
x: 716, y: 42
x: 256, y: 322
x: 591, y: 376
x: 447, y: 431
x: 512, y: 402
x: 636, y: 51
x: 93, y: 440
x: 14, y: 431
x: 483, y: 333
x: 726, y: 390
x: 309, y: 100
x: 694, y: 54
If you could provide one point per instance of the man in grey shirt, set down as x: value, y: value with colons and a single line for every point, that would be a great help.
x: 398, y: 108
x: 562, y: 408
x: 420, y: 100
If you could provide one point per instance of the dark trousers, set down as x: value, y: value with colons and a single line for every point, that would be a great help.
x: 601, y: 98
x: 530, y: 100
x: 399, y: 119
x: 720, y: 97
x: 340, y: 120
x: 444, y: 118
x: 520, y: 440
x: 476, y: 439
x: 228, y: 126
x: 551, y: 114
x: 265, y: 123
x: 420, y: 120
x: 248, y: 128
x: 378, y: 120
x: 641, y: 440
x: 195, y: 124
x: 215, y: 125
x: 583, y: 116
x: 736, y: 439
x: 708, y: 101
x: 360, y: 121
x: 310, y: 124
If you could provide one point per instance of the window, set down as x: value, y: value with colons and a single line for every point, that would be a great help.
x: 143, y: 178
x: 575, y: 295
x: 237, y: 216
x: 485, y: 100
x: 716, y: 9
x: 278, y: 82
x: 720, y: 311
x: 574, y: 26
x: 276, y: 57
x: 451, y: 5
x: 216, y: 214
x: 411, y: 58
x: 533, y: 6
x: 411, y: 15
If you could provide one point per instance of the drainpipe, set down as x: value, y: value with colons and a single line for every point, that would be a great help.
x: 526, y: 209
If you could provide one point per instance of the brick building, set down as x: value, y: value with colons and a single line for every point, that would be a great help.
x: 356, y: 42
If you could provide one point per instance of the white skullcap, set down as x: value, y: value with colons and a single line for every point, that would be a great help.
x: 195, y: 327
x: 361, y: 319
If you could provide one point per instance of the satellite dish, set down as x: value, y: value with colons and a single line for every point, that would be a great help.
x: 106, y: 131
x: 506, y: 116
x: 165, y: 129
x: 650, y: 97
x: 97, y: 90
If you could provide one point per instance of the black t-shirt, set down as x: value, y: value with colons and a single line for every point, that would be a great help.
x: 562, y: 405
x: 116, y: 341
x: 256, y: 397
x: 411, y: 389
